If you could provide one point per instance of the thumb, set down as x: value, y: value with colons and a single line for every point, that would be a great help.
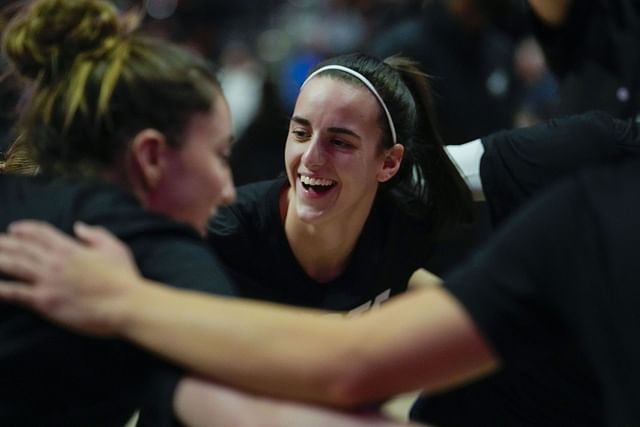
x: 101, y: 239
x: 93, y: 235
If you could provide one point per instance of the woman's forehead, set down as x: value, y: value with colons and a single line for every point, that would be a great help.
x: 326, y: 94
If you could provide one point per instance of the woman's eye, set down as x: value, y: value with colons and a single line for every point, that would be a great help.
x: 299, y: 133
x: 340, y: 143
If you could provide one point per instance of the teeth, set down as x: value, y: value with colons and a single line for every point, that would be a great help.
x: 316, y: 181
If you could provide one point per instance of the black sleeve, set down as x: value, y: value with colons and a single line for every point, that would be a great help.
x: 512, y: 286
x: 519, y: 163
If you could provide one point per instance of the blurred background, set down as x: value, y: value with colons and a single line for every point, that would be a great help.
x: 488, y: 72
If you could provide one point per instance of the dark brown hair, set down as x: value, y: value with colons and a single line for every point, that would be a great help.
x: 427, y: 183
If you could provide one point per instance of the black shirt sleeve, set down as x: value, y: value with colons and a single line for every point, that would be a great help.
x: 518, y: 163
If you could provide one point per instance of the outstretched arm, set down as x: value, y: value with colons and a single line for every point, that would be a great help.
x: 421, y: 339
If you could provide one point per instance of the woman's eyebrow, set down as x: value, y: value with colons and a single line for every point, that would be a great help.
x: 300, y: 121
x: 333, y: 129
x: 344, y: 131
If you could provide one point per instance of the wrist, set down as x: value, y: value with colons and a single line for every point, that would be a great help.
x: 122, y: 314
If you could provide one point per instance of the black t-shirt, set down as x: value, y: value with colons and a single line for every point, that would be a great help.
x: 559, y: 285
x: 518, y: 165
x: 52, y: 377
x: 250, y: 240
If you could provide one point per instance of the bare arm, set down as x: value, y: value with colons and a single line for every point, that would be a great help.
x: 553, y: 12
x: 199, y: 403
x: 420, y: 339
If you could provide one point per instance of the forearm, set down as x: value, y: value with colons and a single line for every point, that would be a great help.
x: 551, y: 12
x: 421, y: 339
x: 199, y: 403
x: 279, y: 350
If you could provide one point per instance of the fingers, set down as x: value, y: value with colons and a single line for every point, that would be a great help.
x: 16, y: 292
x: 20, y: 259
x: 103, y: 240
x: 40, y: 234
x: 94, y: 235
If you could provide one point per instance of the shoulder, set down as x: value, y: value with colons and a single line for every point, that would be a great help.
x: 164, y: 249
x: 253, y: 208
x: 61, y: 201
x: 246, y: 226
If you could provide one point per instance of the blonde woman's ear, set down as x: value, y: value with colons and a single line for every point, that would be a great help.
x: 147, y: 154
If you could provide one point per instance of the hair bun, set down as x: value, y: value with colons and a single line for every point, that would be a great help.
x: 48, y: 35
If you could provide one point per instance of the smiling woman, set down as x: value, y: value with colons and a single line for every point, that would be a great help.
x: 369, y: 189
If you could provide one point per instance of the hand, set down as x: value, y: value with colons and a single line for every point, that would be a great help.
x: 72, y: 283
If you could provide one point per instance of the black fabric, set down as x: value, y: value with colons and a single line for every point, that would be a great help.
x: 519, y: 163
x: 560, y: 279
x: 595, y: 55
x: 249, y: 237
x: 52, y: 377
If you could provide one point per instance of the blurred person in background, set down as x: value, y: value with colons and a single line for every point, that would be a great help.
x: 471, y: 61
x: 260, y: 121
x: 592, y: 48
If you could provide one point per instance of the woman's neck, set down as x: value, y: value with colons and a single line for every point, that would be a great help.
x: 322, y: 250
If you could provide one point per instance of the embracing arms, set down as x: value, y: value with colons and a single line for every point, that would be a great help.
x: 421, y: 339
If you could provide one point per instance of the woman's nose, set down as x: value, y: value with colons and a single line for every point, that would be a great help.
x: 228, y: 190
x: 314, y: 155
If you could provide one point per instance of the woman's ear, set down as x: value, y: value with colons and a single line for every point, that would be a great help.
x: 392, y: 160
x: 148, y: 151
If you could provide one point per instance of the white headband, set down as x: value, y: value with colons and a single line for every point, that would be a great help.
x: 367, y: 83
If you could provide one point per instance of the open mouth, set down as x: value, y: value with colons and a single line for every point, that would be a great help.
x: 317, y: 185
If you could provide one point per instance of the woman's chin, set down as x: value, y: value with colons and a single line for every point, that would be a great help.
x: 311, y: 214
